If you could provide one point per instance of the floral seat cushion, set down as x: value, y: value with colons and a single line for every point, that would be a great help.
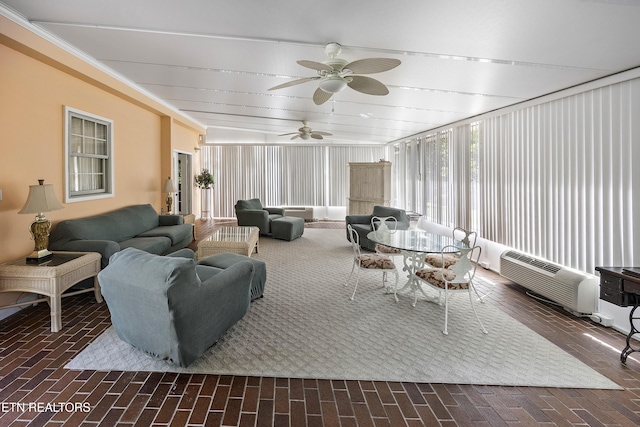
x: 435, y: 260
x: 434, y: 276
x: 386, y: 249
x: 376, y: 261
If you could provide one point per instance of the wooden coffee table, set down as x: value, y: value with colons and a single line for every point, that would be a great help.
x: 51, y: 279
x: 237, y: 240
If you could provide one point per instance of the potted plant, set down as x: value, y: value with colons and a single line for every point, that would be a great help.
x: 204, y: 181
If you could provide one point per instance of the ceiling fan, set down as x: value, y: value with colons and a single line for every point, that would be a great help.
x: 305, y: 133
x: 336, y: 74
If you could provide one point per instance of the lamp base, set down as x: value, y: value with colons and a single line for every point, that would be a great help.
x: 38, y: 257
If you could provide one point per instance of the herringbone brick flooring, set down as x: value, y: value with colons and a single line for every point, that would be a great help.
x: 32, y: 370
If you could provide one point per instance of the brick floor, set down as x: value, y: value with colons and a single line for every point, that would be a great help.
x: 32, y: 363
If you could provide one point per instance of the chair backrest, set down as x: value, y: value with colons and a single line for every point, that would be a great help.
x: 384, y: 223
x: 465, y: 236
x: 355, y: 241
x: 465, y: 265
x: 248, y: 204
x: 399, y: 214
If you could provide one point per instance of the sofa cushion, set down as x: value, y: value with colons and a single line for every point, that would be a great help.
x: 154, y: 245
x: 176, y: 233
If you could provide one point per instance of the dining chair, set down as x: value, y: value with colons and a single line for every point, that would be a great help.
x: 438, y: 261
x: 456, y: 278
x: 368, y: 262
x: 381, y: 225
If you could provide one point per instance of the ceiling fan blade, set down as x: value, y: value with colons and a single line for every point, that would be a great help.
x: 320, y: 96
x: 287, y: 134
x: 368, y: 85
x: 318, y: 66
x: 294, y: 82
x: 316, y: 136
x: 372, y: 65
x: 319, y: 132
x: 295, y: 136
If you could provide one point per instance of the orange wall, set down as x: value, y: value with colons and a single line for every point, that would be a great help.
x: 37, y: 80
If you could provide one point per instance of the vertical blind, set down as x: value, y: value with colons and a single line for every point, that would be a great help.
x: 556, y: 179
x: 282, y: 175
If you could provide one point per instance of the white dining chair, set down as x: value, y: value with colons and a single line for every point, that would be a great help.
x: 456, y: 278
x: 369, y: 262
x: 387, y: 224
x: 465, y: 236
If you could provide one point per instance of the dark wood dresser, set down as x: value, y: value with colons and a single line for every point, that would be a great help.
x: 621, y: 286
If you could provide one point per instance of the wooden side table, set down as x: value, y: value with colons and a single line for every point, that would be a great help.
x: 51, y: 279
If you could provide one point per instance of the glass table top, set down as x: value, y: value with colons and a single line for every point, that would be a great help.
x: 58, y: 258
x: 231, y: 234
x: 415, y: 241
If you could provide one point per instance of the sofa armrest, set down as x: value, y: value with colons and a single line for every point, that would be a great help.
x: 183, y: 253
x: 106, y: 248
x: 254, y: 218
x: 170, y: 219
x: 358, y: 219
x: 275, y: 211
x: 201, y: 314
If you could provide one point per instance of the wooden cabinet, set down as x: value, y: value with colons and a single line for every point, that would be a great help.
x: 369, y: 185
x: 621, y: 286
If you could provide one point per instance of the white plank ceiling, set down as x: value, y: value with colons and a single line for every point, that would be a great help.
x: 215, y: 60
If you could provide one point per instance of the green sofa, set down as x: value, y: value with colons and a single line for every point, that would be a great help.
x: 137, y: 226
x: 169, y: 306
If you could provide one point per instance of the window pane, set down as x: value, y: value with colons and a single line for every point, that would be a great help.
x: 89, y: 128
x: 76, y: 126
x: 89, y: 160
x: 76, y: 144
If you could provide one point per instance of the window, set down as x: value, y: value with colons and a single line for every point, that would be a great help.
x: 89, y: 156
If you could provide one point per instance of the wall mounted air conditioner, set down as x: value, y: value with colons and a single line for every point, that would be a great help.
x: 576, y: 292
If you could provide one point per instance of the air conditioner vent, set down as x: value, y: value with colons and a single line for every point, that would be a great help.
x: 543, y: 265
x: 573, y: 290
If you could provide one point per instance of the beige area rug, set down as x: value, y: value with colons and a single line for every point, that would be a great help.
x: 306, y: 327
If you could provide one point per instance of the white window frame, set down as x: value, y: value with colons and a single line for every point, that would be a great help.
x: 109, y: 190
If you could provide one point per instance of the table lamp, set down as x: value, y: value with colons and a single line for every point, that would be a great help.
x: 41, y: 199
x: 169, y: 188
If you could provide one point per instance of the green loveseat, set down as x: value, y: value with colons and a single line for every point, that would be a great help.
x: 137, y: 226
x: 170, y: 307
x: 362, y: 224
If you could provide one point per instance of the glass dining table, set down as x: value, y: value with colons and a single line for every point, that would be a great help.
x: 414, y: 244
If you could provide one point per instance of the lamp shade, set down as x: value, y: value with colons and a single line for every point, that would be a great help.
x: 41, y: 198
x: 169, y: 187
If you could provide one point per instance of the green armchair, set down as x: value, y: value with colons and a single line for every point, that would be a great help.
x: 171, y: 308
x: 252, y: 213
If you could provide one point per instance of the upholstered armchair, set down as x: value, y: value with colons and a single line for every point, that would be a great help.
x: 171, y: 308
x: 362, y: 224
x: 252, y: 213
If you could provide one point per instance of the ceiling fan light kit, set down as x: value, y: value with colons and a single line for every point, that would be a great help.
x: 333, y: 84
x: 336, y: 74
